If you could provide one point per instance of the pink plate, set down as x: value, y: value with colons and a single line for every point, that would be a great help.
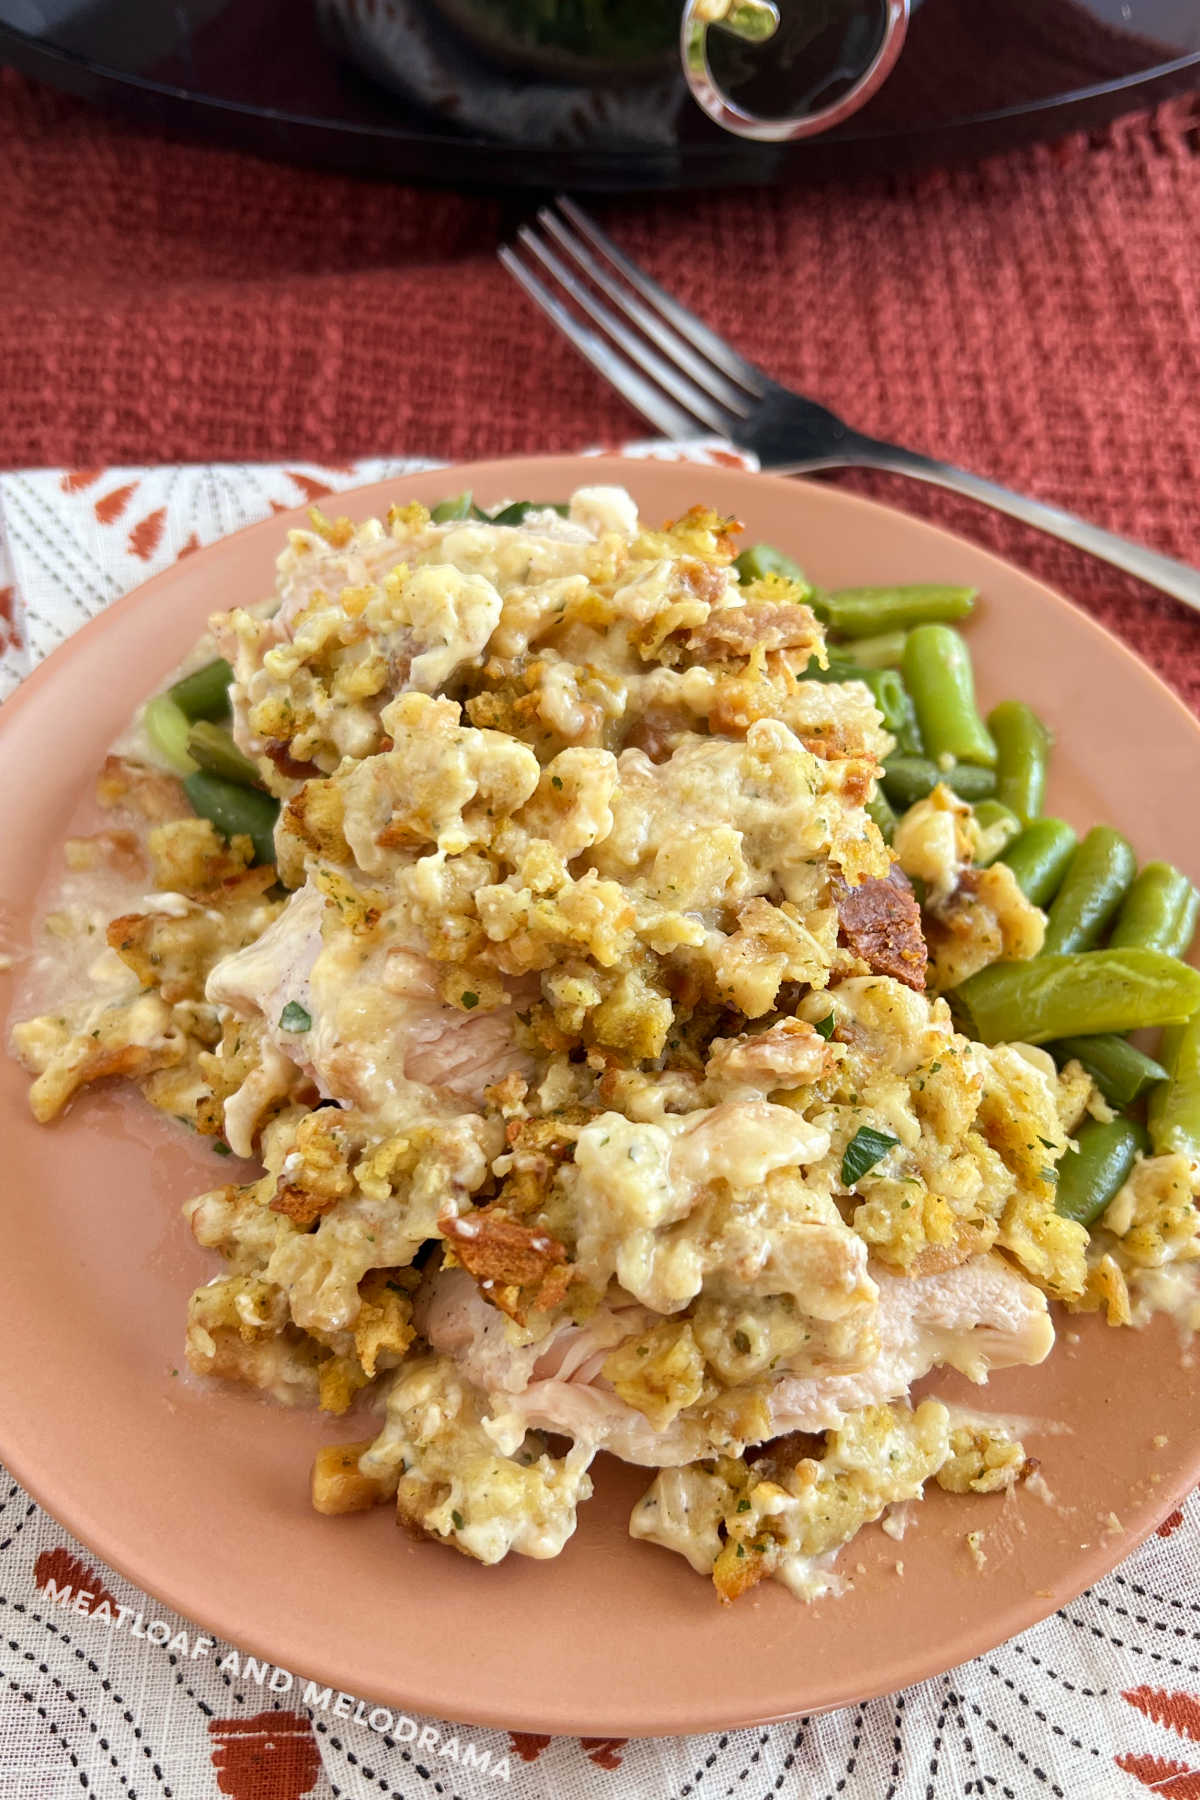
x: 201, y: 1495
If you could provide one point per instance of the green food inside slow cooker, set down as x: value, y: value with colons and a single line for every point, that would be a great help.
x: 627, y: 28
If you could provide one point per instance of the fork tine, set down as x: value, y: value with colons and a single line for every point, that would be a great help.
x: 676, y: 384
x: 641, y: 394
x: 752, y: 378
x: 649, y: 322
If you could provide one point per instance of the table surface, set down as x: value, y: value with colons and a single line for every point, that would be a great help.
x: 1034, y: 317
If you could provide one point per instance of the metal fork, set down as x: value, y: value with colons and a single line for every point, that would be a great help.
x: 689, y: 383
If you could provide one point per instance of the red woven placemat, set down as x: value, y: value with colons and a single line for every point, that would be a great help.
x: 1035, y: 317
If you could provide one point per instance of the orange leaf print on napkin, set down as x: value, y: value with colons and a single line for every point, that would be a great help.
x: 528, y: 1745
x: 144, y: 538
x: 603, y: 1751
x: 1181, y: 1712
x: 65, y: 1570
x: 312, y: 490
x: 10, y: 630
x: 1171, y: 1523
x: 109, y: 507
x: 271, y: 1756
x: 1170, y: 1780
x: 75, y: 479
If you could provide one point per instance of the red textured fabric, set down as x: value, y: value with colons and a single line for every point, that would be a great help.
x: 1035, y: 317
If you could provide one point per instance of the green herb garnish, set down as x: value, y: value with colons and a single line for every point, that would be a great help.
x: 865, y: 1149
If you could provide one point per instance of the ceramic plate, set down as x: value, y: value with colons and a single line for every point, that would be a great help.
x: 200, y: 1495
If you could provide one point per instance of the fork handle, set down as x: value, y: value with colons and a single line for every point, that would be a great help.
x: 1164, y: 572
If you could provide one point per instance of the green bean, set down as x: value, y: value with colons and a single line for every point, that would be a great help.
x: 1154, y: 908
x: 1184, y: 930
x: 896, y: 708
x: 167, y: 728
x: 1022, y: 752
x: 866, y: 611
x: 204, y: 694
x: 457, y: 507
x: 1168, y: 1049
x: 1093, y: 887
x: 889, y: 694
x: 1077, y: 996
x: 879, y: 809
x: 886, y: 651
x: 516, y: 511
x: 1039, y: 858
x: 213, y: 749
x: 1091, y: 1175
x: 760, y: 560
x: 235, y: 809
x: 909, y: 778
x: 998, y: 827
x: 937, y: 671
x: 1173, y: 1111
x: 1122, y: 1072
x: 989, y: 813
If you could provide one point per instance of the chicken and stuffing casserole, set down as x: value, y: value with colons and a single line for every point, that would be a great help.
x: 535, y: 926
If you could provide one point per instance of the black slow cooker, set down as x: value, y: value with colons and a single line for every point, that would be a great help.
x: 612, y: 93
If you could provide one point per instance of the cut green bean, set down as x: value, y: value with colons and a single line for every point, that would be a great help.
x: 1173, y: 1111
x: 1076, y: 996
x: 862, y: 612
x: 1168, y: 1049
x: 1184, y: 930
x: 889, y: 694
x: 458, y: 506
x: 757, y: 561
x: 937, y: 673
x: 997, y: 829
x: 909, y: 778
x: 167, y: 728
x: 879, y: 809
x: 1022, y: 754
x: 1153, y: 909
x: 896, y: 708
x: 516, y: 512
x: 212, y: 748
x: 204, y: 694
x: 886, y: 651
x: 1039, y: 858
x: 1122, y: 1072
x: 234, y: 810
x: 1093, y: 1174
x: 1093, y: 887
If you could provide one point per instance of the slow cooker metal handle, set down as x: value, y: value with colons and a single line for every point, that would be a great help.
x: 757, y: 20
